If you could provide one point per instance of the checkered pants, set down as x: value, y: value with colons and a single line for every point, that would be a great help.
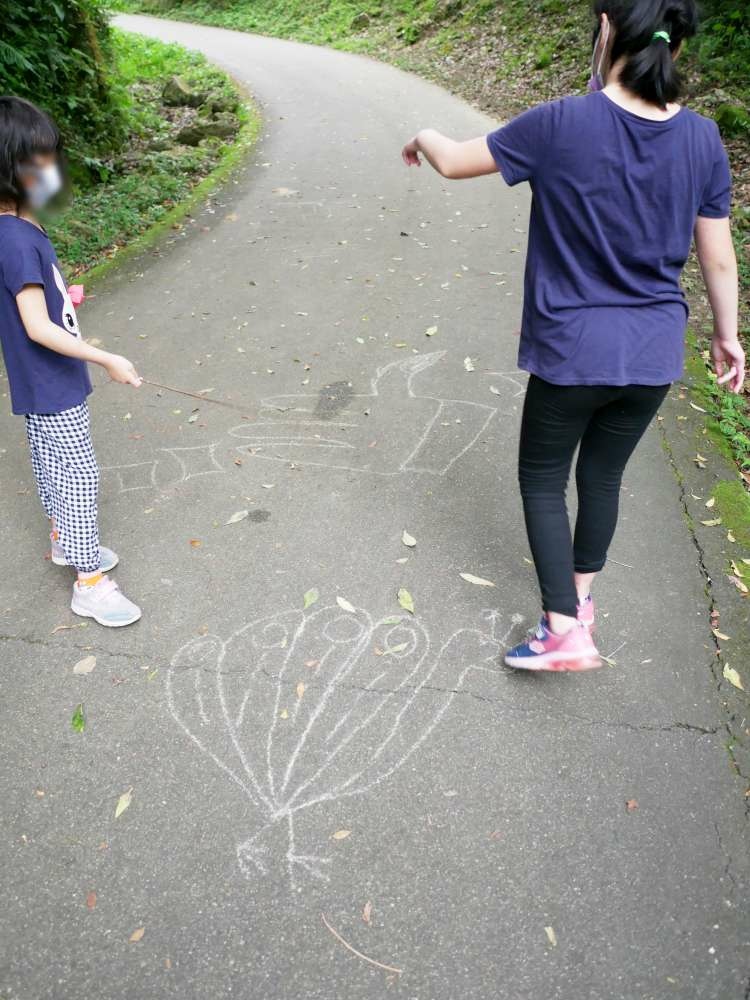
x: 67, y: 477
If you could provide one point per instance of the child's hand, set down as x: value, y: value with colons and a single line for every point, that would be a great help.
x: 729, y: 362
x: 410, y: 154
x: 121, y: 370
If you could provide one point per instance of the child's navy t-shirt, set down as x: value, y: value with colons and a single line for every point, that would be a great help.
x: 41, y: 381
x: 615, y: 201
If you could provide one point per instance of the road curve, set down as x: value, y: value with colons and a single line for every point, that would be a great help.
x: 463, y: 827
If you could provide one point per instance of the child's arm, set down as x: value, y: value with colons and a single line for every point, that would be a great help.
x: 33, y: 309
x: 454, y: 160
x: 713, y: 241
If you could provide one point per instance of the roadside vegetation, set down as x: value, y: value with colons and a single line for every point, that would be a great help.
x: 503, y: 58
x: 146, y: 125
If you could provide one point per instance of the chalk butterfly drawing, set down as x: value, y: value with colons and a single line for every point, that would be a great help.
x: 298, y: 709
x: 386, y: 431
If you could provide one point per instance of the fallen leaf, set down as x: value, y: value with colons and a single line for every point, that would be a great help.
x: 711, y: 502
x: 64, y: 628
x: 408, y: 539
x: 393, y: 620
x: 78, y: 722
x: 196, y: 543
x: 731, y: 675
x: 123, y: 802
x: 137, y: 934
x: 300, y: 689
x: 85, y: 666
x: 406, y: 600
x: 311, y: 597
x: 91, y: 900
x: 477, y: 580
x: 284, y: 714
x: 736, y: 570
x: 345, y: 605
x: 698, y: 408
x: 712, y: 523
x: 396, y: 649
x: 631, y: 805
x: 193, y: 416
x: 239, y: 516
x: 367, y: 912
x: 720, y: 635
x: 430, y: 331
x: 739, y: 584
x: 551, y: 936
x: 494, y: 389
x: 468, y: 364
x: 341, y: 834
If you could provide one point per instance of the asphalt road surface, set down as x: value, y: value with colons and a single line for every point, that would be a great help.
x: 307, y: 781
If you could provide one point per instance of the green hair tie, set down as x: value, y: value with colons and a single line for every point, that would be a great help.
x: 663, y: 35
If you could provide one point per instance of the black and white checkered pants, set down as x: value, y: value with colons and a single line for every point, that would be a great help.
x: 67, y: 477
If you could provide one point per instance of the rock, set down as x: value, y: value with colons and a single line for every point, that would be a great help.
x: 219, y: 103
x: 223, y: 126
x: 360, y: 21
x: 177, y: 94
x: 732, y: 119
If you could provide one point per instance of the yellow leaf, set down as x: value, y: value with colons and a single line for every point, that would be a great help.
x: 735, y: 569
x: 720, y: 635
x: 408, y: 539
x: 341, y: 834
x: 123, y: 802
x: 345, y: 605
x: 477, y: 580
x: 712, y: 523
x: 711, y: 502
x: 406, y: 600
x: 551, y: 936
x: 284, y: 714
x: 731, y: 675
x: 137, y: 934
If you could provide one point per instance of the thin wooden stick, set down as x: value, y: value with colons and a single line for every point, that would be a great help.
x: 365, y: 958
x: 197, y: 395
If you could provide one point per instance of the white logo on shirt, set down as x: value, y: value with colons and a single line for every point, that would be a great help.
x: 69, y: 320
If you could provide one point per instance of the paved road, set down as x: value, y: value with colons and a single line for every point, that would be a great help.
x: 447, y: 819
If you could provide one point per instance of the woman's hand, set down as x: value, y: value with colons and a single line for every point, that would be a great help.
x: 121, y: 370
x: 410, y: 154
x: 729, y: 362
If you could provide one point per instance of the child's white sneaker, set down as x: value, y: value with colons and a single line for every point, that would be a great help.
x: 105, y: 603
x: 109, y: 559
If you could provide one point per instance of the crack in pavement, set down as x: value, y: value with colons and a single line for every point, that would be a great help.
x: 46, y: 644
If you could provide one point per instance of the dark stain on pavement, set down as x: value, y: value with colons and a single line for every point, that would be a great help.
x: 332, y: 400
x: 259, y: 516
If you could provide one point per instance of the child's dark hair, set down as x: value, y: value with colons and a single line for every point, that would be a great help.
x: 25, y: 132
x: 650, y: 70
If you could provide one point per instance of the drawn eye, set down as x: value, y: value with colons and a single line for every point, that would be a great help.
x: 70, y: 321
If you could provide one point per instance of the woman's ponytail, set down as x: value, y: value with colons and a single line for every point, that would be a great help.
x: 648, y: 35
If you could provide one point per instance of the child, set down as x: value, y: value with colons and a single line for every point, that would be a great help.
x: 45, y: 359
x: 621, y: 179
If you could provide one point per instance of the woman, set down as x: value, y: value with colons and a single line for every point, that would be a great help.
x: 622, y: 179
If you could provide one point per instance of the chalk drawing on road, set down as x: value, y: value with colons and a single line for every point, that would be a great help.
x: 299, y: 709
x: 175, y: 466
x: 515, y: 378
x: 387, y: 431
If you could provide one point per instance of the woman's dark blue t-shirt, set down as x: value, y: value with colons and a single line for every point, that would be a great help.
x: 615, y: 201
x: 41, y: 381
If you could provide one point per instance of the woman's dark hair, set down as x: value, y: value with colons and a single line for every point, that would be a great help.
x: 25, y: 132
x: 650, y: 70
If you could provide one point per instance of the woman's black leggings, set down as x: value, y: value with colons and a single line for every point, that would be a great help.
x: 607, y: 422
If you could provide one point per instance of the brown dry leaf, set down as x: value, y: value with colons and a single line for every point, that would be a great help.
x: 631, y: 805
x: 91, y: 900
x: 720, y: 635
x: 312, y: 663
x: 300, y: 689
x: 195, y: 543
x: 137, y: 934
x: 341, y: 834
x: 367, y: 912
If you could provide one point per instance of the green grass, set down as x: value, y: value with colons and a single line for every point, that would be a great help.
x: 147, y: 185
x: 733, y: 504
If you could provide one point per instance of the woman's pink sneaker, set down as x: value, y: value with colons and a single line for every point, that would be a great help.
x: 546, y: 651
x: 587, y: 613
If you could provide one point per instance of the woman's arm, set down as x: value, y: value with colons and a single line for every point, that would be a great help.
x: 32, y: 306
x: 713, y: 241
x: 454, y: 160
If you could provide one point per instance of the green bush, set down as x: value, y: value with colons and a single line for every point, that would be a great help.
x: 58, y: 54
